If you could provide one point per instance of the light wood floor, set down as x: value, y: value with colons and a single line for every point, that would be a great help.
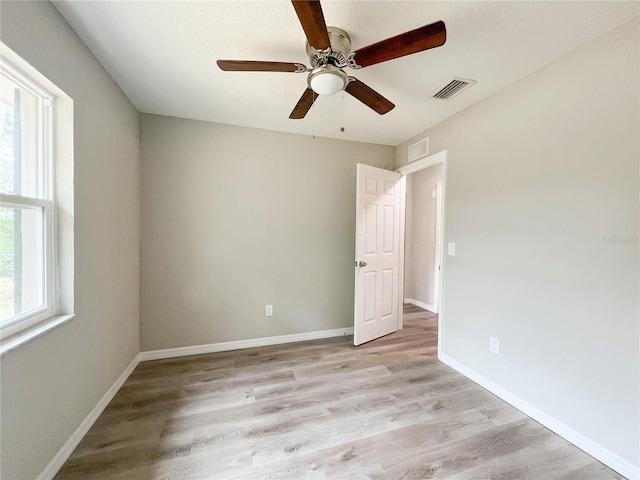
x: 320, y: 410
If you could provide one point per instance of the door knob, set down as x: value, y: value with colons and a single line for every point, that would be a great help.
x: 362, y: 264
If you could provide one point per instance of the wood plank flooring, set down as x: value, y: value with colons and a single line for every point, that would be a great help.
x: 320, y: 410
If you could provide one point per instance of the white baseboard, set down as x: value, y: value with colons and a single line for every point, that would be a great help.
x: 72, y: 442
x: 592, y: 448
x: 240, y: 344
x: 417, y: 303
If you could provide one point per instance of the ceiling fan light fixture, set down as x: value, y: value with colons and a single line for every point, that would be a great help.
x: 327, y: 80
x: 329, y: 51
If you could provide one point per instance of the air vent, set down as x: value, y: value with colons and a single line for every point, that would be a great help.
x: 419, y: 149
x: 452, y: 88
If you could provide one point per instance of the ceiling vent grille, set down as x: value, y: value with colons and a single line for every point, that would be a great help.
x: 419, y: 149
x: 452, y: 88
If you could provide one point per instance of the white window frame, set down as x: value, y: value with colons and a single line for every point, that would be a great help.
x: 47, y: 202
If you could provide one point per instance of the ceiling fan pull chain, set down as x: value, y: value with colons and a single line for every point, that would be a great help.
x: 313, y: 123
x: 342, y: 121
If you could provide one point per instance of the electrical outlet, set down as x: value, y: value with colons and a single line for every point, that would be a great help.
x: 268, y: 311
x: 494, y: 345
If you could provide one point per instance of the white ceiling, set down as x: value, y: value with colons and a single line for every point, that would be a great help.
x: 162, y: 54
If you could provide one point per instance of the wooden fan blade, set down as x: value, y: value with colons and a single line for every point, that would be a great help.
x: 254, y: 66
x: 304, y: 104
x: 369, y: 97
x: 414, y: 41
x: 312, y: 20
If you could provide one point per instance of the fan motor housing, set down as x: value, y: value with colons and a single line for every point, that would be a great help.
x: 340, y: 48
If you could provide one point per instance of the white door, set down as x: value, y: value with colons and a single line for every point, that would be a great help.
x: 378, y: 205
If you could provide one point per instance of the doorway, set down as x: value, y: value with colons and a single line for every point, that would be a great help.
x: 421, y: 255
x: 423, y: 265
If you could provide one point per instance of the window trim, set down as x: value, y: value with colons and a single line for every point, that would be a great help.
x: 46, y: 190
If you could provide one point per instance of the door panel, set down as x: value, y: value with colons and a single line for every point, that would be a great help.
x: 377, y: 253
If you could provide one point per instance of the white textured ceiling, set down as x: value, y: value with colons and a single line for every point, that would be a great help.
x: 162, y: 54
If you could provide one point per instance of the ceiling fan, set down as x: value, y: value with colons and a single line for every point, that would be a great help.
x: 329, y: 50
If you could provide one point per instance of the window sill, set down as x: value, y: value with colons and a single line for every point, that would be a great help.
x: 19, y: 339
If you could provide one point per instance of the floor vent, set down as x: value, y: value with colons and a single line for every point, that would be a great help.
x: 418, y: 150
x: 452, y: 88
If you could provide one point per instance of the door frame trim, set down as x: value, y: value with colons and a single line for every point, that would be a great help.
x: 426, y: 162
x: 438, y: 252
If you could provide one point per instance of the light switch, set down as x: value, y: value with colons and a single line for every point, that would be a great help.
x: 451, y: 249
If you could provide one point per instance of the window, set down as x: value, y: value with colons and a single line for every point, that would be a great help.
x: 28, y: 207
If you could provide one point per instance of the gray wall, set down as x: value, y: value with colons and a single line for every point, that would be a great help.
x: 541, y: 177
x: 50, y: 384
x: 236, y: 218
x: 420, y: 235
